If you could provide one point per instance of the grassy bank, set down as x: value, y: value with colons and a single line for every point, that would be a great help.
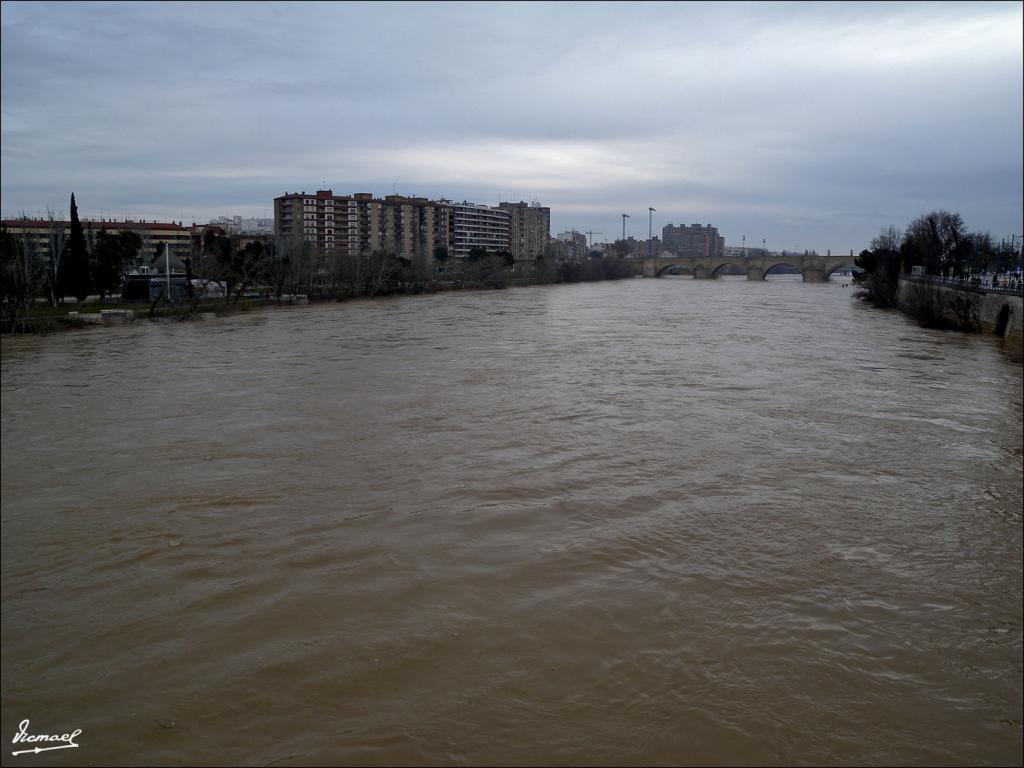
x: 42, y: 318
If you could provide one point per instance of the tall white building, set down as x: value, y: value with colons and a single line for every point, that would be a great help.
x: 237, y: 225
x: 478, y: 226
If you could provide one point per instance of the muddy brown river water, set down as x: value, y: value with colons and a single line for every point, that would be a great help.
x: 647, y: 522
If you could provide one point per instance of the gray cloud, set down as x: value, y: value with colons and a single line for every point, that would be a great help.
x: 806, y: 124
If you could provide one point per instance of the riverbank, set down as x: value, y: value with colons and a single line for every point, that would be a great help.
x: 935, y: 304
x: 70, y: 317
x: 45, y: 319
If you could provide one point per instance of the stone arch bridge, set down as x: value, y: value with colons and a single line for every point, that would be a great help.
x: 814, y: 268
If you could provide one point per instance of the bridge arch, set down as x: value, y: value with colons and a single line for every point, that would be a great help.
x: 669, y: 268
x: 716, y: 270
x: 842, y: 265
x: 769, y: 266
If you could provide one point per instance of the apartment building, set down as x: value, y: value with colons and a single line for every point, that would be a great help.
x: 529, y: 230
x: 694, y: 240
x: 478, y: 226
x: 326, y: 221
x: 409, y: 227
x: 43, y: 235
x: 641, y: 249
x: 570, y: 246
x: 416, y: 226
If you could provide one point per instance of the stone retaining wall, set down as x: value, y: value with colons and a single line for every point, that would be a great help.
x: 991, y: 313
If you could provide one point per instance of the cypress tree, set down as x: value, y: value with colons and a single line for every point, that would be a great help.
x: 74, y: 267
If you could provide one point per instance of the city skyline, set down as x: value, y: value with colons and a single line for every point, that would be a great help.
x: 807, y: 126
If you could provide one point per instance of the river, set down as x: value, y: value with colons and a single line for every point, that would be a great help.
x: 643, y: 522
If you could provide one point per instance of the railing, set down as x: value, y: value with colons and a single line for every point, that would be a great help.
x: 976, y: 284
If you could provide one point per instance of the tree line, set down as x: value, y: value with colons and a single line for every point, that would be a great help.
x: 938, y: 241
x: 81, y: 263
x: 283, y: 268
x: 78, y: 263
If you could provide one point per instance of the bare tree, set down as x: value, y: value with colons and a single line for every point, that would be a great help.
x: 280, y: 264
x: 888, y: 239
x: 56, y: 238
x: 938, y: 240
x: 297, y: 266
x: 22, y: 272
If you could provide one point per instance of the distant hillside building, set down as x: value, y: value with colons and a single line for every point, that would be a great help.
x: 694, y: 240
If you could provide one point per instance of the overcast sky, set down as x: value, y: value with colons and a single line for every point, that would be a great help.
x: 810, y: 125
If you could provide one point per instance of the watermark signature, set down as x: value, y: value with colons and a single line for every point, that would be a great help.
x: 62, y: 741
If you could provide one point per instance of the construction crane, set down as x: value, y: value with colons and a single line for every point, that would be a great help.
x: 592, y: 233
x: 624, y: 217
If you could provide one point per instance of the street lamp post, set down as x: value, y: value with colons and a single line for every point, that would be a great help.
x: 167, y: 270
x: 650, y: 230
